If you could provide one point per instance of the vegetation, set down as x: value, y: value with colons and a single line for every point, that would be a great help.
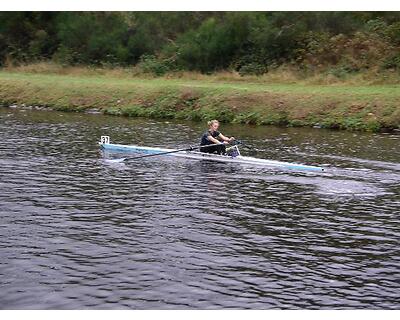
x: 368, y: 108
x: 325, y: 69
x: 338, y: 43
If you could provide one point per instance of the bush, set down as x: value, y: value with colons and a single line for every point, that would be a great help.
x: 133, y: 111
x: 341, y: 72
x: 344, y: 54
x: 191, y: 114
x: 248, y: 118
x: 216, y: 43
x: 153, y: 65
x: 249, y: 42
x: 394, y: 33
x: 65, y: 56
x: 113, y: 111
x: 223, y: 114
x: 392, y: 62
x: 252, y: 69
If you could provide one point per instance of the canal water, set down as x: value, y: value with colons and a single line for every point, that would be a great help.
x: 79, y: 232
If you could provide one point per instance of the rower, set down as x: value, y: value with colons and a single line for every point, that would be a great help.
x: 213, y: 136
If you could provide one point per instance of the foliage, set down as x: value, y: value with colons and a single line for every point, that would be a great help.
x: 252, y: 68
x: 252, y: 43
x: 156, y: 66
x: 369, y: 108
x: 392, y: 62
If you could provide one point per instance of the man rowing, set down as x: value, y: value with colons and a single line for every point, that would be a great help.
x: 213, y: 136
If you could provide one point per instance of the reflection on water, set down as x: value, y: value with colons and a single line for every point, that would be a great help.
x: 78, y: 232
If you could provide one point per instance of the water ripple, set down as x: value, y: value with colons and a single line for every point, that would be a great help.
x: 174, y: 234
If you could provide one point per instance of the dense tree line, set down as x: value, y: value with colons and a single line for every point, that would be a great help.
x: 249, y: 42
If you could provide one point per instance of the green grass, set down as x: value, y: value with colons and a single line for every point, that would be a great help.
x: 151, y: 84
x: 370, y: 108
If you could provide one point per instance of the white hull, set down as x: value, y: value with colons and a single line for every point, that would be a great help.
x: 207, y: 156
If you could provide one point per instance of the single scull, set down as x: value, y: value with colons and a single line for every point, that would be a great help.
x: 106, y: 145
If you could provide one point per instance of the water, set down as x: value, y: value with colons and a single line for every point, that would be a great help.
x: 161, y: 233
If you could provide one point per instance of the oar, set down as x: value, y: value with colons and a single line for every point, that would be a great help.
x: 191, y: 148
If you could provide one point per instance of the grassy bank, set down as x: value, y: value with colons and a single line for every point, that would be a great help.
x: 367, y: 107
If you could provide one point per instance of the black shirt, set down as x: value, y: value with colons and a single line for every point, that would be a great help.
x: 204, y: 138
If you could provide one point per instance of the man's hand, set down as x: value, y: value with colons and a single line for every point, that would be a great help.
x: 231, y: 139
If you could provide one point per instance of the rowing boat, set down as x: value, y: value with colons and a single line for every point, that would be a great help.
x: 106, y: 145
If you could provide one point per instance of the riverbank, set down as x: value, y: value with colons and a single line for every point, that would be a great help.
x: 367, y: 108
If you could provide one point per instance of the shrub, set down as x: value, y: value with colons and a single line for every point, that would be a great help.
x: 342, y: 71
x: 248, y: 118
x: 253, y: 68
x: 191, y: 114
x: 223, y: 114
x: 153, y: 65
x: 392, y: 62
x: 133, y: 111
x: 113, y: 111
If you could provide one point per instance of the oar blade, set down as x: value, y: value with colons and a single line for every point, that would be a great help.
x: 120, y: 160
